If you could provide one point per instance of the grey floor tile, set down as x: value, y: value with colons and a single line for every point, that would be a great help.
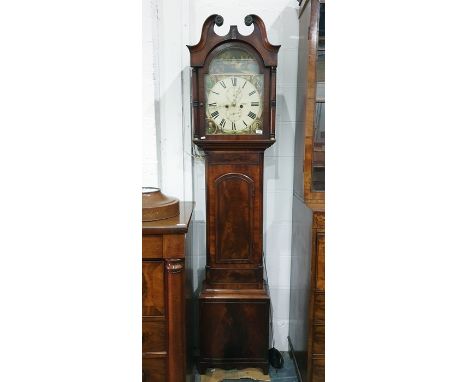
x: 286, y: 374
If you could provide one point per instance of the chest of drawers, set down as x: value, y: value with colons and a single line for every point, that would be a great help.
x: 167, y: 291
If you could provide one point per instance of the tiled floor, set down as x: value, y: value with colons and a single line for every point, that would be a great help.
x: 286, y: 374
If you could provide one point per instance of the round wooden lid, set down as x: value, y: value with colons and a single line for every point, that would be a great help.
x: 157, y: 206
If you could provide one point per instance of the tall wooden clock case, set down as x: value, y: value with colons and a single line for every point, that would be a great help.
x: 233, y: 109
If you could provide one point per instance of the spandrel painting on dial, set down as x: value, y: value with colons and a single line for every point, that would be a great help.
x: 234, y: 91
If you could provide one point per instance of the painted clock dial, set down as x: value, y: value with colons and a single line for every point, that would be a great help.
x: 234, y: 94
x: 234, y: 104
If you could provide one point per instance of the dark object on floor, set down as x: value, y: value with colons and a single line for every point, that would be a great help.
x: 275, y: 358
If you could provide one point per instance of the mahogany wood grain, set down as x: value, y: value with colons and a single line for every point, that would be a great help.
x: 320, y: 246
x: 177, y: 224
x: 316, y: 336
x: 234, y: 218
x: 154, y: 369
x: 203, y: 52
x: 318, y: 369
x: 175, y: 319
x: 173, y: 246
x: 319, y: 303
x: 318, y: 339
x: 154, y: 336
x: 165, y: 296
x: 234, y: 302
x: 152, y: 247
x: 234, y: 330
x: 153, y: 288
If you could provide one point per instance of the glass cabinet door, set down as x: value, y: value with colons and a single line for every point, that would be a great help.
x: 318, y: 157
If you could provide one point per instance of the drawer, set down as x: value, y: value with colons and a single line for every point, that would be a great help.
x: 154, y: 336
x: 153, y: 288
x: 152, y: 247
x: 318, y: 339
x: 319, y: 308
x: 154, y: 369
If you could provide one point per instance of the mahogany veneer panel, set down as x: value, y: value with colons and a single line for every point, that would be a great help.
x: 173, y: 246
x: 152, y: 247
x: 234, y: 329
x: 153, y: 288
x: 154, y: 336
x: 154, y: 370
x: 234, y: 210
x: 234, y: 221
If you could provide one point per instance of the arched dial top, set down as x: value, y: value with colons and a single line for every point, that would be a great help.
x: 234, y: 90
x: 233, y: 87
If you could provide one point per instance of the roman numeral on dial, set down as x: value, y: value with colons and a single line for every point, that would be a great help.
x: 234, y: 81
x: 223, y: 84
x: 244, y: 123
x: 255, y: 104
x: 252, y: 115
x: 215, y: 114
x: 252, y: 92
x: 212, y: 104
x: 222, y: 123
x: 233, y: 126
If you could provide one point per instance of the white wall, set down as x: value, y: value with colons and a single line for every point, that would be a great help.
x: 167, y: 161
x: 150, y: 47
x: 183, y: 175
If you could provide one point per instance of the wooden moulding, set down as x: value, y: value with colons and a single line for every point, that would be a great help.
x: 157, y: 206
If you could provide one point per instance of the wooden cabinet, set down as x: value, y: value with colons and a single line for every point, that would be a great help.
x: 167, y: 291
x: 307, y: 299
x: 316, y: 309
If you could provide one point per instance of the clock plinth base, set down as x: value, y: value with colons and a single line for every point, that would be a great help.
x: 234, y: 328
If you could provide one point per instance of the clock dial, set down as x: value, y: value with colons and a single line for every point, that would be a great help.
x: 234, y: 105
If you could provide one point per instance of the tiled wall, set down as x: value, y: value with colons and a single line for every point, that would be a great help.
x: 180, y: 23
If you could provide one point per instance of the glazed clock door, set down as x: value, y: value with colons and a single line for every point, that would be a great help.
x: 234, y: 94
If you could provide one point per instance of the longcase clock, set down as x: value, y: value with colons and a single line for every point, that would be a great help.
x: 233, y: 110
